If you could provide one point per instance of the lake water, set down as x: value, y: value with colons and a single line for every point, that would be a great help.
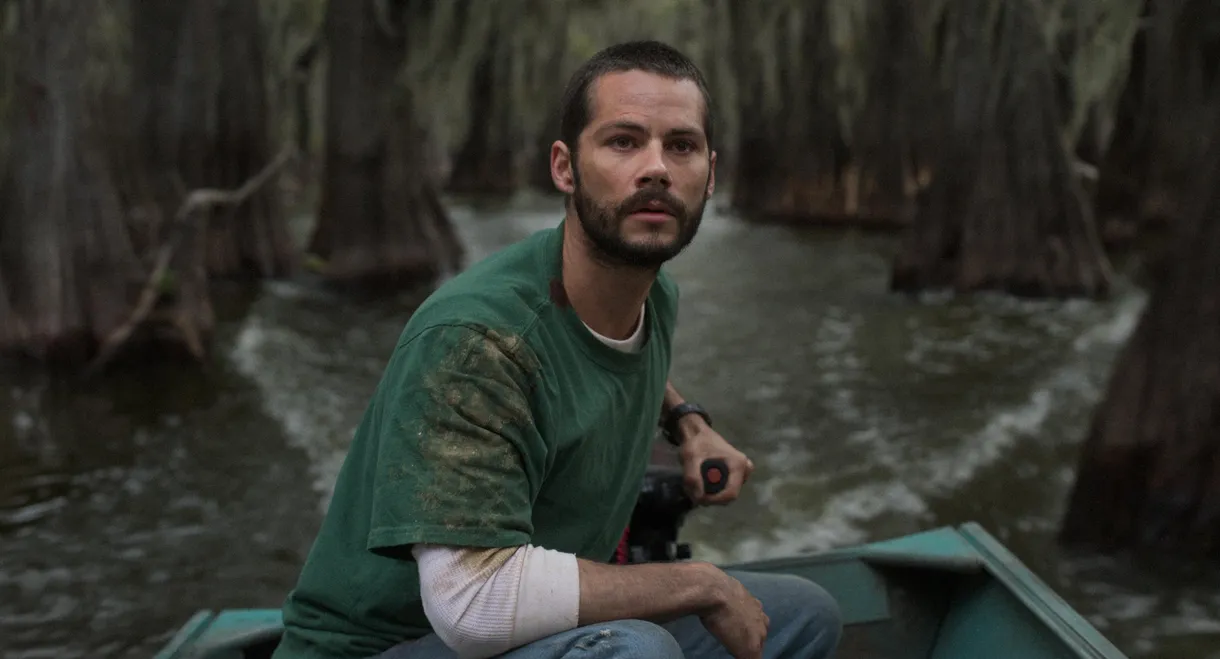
x: 127, y: 506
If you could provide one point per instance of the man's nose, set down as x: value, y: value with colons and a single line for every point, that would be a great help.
x: 654, y: 171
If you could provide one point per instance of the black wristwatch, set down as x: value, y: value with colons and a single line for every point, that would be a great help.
x: 669, y: 424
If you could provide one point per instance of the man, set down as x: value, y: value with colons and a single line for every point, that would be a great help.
x: 500, y: 458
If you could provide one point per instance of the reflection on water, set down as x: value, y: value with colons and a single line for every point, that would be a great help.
x: 124, y: 509
x: 121, y: 512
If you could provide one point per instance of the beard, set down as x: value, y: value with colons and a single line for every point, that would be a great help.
x: 603, y: 224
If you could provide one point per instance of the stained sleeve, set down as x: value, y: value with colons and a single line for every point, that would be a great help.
x: 459, y: 454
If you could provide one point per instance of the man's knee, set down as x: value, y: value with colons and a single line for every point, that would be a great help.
x: 802, y: 613
x: 629, y: 638
x: 822, y: 606
x: 813, y: 614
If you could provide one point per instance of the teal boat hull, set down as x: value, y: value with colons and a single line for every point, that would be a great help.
x: 948, y: 593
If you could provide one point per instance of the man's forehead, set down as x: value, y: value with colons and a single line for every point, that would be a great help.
x: 614, y: 94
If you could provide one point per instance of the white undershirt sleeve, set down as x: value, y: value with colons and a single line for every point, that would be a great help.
x: 483, y: 602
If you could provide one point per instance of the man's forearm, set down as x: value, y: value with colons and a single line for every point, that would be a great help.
x: 689, y: 424
x: 656, y: 592
x: 672, y: 398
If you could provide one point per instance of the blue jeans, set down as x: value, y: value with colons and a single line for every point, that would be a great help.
x: 805, y: 624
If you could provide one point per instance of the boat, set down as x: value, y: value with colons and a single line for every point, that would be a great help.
x: 953, y: 592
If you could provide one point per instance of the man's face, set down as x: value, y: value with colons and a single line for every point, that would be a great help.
x: 643, y: 171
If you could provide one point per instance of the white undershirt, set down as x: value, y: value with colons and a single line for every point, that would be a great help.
x: 629, y: 344
x: 484, y: 602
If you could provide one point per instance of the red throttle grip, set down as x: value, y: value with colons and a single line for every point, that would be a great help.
x: 715, y: 473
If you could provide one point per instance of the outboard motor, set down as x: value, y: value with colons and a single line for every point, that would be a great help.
x: 660, y: 511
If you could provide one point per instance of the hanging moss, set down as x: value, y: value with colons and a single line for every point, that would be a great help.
x: 1096, y: 41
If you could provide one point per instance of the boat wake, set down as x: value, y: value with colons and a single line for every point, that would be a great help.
x: 311, y: 392
x: 908, y: 476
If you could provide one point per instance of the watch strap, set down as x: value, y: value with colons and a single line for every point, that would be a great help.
x: 669, y: 425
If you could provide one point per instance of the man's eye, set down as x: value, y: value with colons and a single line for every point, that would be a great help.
x: 621, y: 142
x: 684, y: 146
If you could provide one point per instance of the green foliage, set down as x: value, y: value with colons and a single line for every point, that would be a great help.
x: 167, y: 284
x: 313, y: 263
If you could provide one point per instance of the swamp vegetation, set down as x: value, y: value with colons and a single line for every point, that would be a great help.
x: 150, y: 150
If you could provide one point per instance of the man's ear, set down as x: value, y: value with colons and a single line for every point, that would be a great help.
x: 561, y: 168
x: 711, y: 175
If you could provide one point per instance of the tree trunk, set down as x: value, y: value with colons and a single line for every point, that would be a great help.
x: 890, y: 152
x: 1004, y: 210
x: 1168, y: 103
x: 381, y: 220
x: 1149, y: 474
x: 489, y: 161
x: 791, y: 148
x: 198, y: 77
x: 66, y: 260
x: 552, y: 76
x: 538, y: 174
x: 11, y: 330
x: 1121, y: 168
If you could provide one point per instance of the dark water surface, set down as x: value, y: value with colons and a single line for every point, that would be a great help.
x: 126, y: 508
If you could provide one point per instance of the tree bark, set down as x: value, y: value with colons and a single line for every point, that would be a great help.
x: 299, y: 78
x: 1005, y: 210
x: 1149, y: 473
x: 538, y: 174
x: 1121, y: 167
x: 381, y: 220
x: 201, y: 105
x: 489, y: 162
x: 553, y: 79
x: 11, y: 329
x: 1168, y: 102
x: 890, y: 152
x: 66, y: 258
x: 180, y: 234
x: 791, y: 149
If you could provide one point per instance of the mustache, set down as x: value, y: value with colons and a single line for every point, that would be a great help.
x: 669, y: 203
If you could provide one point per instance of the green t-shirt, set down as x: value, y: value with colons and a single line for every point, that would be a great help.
x: 500, y: 420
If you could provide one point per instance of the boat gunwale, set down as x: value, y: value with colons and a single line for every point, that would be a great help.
x: 1038, y: 597
x: 986, y: 555
x: 989, y: 556
x: 187, y: 635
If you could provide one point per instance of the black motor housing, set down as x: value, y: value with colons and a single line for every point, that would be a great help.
x: 658, y: 515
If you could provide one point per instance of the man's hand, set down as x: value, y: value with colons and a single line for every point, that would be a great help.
x: 700, y: 442
x: 738, y: 620
x: 664, y: 592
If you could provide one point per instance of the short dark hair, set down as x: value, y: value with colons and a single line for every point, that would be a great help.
x: 650, y: 56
